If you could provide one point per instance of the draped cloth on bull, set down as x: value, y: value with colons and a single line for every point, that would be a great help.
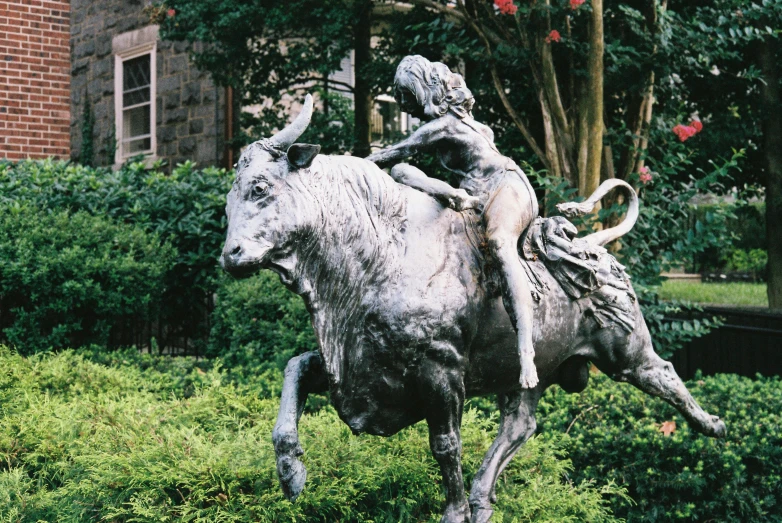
x: 583, y: 270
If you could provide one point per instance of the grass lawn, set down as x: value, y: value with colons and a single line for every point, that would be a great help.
x: 747, y: 294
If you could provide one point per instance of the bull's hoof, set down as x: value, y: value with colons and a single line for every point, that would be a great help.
x: 457, y: 514
x: 292, y: 476
x: 718, y: 428
x: 481, y: 514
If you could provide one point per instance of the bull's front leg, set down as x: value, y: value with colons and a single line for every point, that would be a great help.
x: 304, y: 374
x: 443, y: 397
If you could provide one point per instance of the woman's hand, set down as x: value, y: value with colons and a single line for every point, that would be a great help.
x: 460, y: 201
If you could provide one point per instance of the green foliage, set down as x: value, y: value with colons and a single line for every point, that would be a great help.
x: 258, y: 325
x: 81, y: 441
x: 753, y: 262
x: 747, y: 222
x: 614, y: 434
x: 68, y: 278
x: 185, y: 208
x: 249, y: 45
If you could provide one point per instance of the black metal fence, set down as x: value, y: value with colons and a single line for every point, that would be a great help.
x: 749, y: 343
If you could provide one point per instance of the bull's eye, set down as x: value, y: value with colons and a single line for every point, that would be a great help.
x: 260, y: 189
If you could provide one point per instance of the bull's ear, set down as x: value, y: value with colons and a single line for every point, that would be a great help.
x: 301, y: 154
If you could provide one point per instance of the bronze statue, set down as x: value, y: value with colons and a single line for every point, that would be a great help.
x: 408, y: 314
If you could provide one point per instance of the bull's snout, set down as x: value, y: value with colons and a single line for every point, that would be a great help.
x: 232, y: 255
x: 243, y: 257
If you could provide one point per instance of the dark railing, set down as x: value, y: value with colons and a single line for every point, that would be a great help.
x: 749, y: 343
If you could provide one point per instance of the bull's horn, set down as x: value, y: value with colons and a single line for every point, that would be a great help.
x: 285, y: 138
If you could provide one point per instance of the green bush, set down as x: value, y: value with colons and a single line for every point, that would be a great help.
x: 258, y: 325
x: 114, y: 445
x: 614, y: 434
x: 185, y: 208
x: 67, y: 278
x: 754, y: 261
x: 748, y: 225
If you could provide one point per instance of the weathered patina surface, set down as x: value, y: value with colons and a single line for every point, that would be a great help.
x: 407, y: 314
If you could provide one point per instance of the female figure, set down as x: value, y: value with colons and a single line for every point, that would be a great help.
x: 440, y: 98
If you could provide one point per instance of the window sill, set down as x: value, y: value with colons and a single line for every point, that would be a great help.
x: 148, y: 161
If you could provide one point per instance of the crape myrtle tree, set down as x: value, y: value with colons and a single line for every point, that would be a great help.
x: 597, y: 89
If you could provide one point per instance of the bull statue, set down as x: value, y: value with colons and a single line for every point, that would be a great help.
x: 409, y: 316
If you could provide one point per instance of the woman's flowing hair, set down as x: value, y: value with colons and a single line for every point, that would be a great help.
x: 437, y: 90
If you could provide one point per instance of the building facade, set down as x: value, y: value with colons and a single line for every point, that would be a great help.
x: 92, y: 81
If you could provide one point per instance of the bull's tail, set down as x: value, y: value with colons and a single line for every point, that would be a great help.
x: 571, y: 209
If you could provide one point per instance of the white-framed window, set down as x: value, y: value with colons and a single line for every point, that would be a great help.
x: 135, y: 75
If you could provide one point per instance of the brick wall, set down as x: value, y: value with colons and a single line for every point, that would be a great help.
x: 34, y: 79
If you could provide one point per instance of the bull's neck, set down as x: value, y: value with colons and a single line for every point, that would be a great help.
x: 352, y: 252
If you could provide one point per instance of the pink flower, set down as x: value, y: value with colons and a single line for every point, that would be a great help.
x: 697, y: 125
x: 553, y: 36
x: 684, y: 132
x: 575, y: 4
x: 644, y: 174
x: 506, y: 7
x: 171, y: 13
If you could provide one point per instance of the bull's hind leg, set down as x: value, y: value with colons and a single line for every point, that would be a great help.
x: 642, y: 367
x: 303, y: 374
x: 517, y: 424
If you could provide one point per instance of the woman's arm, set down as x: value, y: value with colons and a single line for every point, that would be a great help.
x: 423, y: 137
x: 454, y: 198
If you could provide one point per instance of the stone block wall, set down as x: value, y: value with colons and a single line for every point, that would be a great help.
x: 190, y: 108
x: 34, y: 79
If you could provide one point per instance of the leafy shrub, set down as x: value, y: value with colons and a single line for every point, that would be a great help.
x: 258, y: 324
x: 68, y: 278
x: 754, y: 261
x: 185, y: 207
x: 131, y: 451
x: 748, y: 225
x: 615, y: 434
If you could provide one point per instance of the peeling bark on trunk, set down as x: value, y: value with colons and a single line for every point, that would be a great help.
x: 552, y: 155
x: 594, y: 97
x: 771, y: 101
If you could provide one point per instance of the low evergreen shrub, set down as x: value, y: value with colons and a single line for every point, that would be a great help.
x: 116, y: 446
x: 615, y: 433
x: 67, y: 279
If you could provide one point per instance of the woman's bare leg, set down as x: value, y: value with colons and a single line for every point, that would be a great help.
x: 511, y: 209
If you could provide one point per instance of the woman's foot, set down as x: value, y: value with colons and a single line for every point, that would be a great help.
x: 529, y: 374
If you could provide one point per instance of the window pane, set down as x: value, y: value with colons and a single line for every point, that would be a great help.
x: 135, y: 122
x: 137, y: 146
x: 135, y: 97
x: 135, y: 73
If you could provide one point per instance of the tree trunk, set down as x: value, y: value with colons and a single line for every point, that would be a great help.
x: 771, y: 102
x: 362, y: 94
x: 590, y: 178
